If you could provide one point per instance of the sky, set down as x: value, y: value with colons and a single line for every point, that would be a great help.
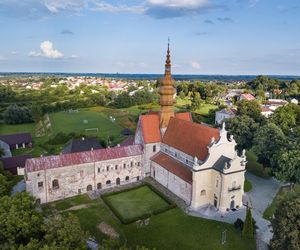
x: 232, y: 37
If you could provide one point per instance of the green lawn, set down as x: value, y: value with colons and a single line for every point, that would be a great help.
x: 269, y: 212
x: 254, y: 167
x: 247, y: 186
x: 172, y: 229
x: 205, y: 108
x: 18, y: 128
x: 136, y: 203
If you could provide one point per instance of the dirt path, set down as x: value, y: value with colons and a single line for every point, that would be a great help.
x: 108, y: 230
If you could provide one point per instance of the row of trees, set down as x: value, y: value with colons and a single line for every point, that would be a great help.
x: 275, y: 141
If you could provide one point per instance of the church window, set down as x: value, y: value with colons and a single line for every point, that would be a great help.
x: 138, y: 163
x: 175, y: 154
x: 99, y: 185
x: 217, y: 183
x: 186, y: 161
x: 131, y: 164
x: 40, y: 184
x: 137, y: 178
x: 98, y: 170
x: 124, y: 165
x: 107, y: 168
x: 154, y: 148
x: 89, y: 188
x: 203, y: 192
x: 127, y: 178
x: 108, y: 182
x: 116, y: 167
x: 79, y: 191
x: 38, y: 174
x: 55, y: 184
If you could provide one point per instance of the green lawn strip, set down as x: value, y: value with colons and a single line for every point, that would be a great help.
x: 247, y: 186
x: 174, y: 229
x: 205, y: 108
x: 269, y: 212
x: 137, y: 203
x: 17, y: 128
x: 254, y: 167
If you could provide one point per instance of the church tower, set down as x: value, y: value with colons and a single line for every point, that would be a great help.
x: 166, y: 91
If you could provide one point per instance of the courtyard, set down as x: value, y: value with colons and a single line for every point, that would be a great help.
x: 167, y: 228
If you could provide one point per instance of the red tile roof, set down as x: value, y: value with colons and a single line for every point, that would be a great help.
x: 190, y: 138
x: 128, y: 141
x: 184, y: 116
x: 64, y: 160
x: 248, y: 97
x: 175, y: 167
x: 150, y: 128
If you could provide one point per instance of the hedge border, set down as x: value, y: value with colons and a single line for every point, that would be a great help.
x: 126, y: 221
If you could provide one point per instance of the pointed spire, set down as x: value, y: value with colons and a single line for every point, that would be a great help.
x: 168, y: 61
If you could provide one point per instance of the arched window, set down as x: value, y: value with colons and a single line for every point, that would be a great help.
x: 118, y: 181
x: 55, y: 184
x: 108, y: 182
x: 99, y: 185
x: 89, y: 188
x: 127, y: 178
x: 203, y: 192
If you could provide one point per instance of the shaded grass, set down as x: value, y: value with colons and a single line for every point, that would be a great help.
x: 17, y: 128
x: 205, y: 108
x: 255, y: 167
x: 247, y: 186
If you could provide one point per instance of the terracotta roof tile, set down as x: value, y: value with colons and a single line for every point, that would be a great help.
x: 175, y: 167
x: 190, y: 138
x: 64, y: 160
x: 150, y: 128
x: 184, y: 116
x: 248, y: 97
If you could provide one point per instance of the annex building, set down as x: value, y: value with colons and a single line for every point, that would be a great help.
x: 197, y: 163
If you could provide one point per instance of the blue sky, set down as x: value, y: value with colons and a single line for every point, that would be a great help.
x: 207, y: 36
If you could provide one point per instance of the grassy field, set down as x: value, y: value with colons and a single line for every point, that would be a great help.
x: 18, y: 128
x: 254, y: 167
x: 269, y: 212
x: 205, y: 108
x: 136, y: 202
x: 247, y: 186
x: 172, y: 229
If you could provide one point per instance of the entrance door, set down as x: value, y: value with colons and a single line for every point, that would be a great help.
x: 118, y: 181
x: 232, y: 204
x: 216, y: 202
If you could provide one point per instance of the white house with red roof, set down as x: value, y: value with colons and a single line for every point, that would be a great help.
x: 197, y: 163
x: 247, y: 97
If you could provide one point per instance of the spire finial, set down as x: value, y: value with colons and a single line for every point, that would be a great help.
x: 168, y: 61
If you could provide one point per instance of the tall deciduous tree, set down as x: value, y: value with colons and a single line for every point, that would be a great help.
x: 286, y: 225
x: 251, y: 109
x: 268, y: 140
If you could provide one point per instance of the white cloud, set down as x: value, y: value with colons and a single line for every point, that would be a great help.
x: 13, y: 52
x: 107, y: 7
x: 56, y: 6
x: 179, y: 3
x: 73, y: 56
x: 2, y: 58
x: 47, y: 50
x: 195, y: 64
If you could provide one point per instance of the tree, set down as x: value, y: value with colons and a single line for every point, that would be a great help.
x: 64, y: 232
x: 268, y: 140
x: 17, y: 115
x: 36, y: 111
x: 286, y: 224
x: 251, y: 109
x: 19, y: 220
x: 2, y: 153
x: 243, y: 129
x: 197, y: 101
x: 4, y: 185
x: 248, y: 230
x: 287, y: 166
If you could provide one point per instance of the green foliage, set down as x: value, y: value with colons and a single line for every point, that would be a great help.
x: 19, y: 220
x: 251, y: 109
x: 4, y: 185
x: 15, y: 114
x: 197, y: 102
x: 1, y: 152
x: 247, y: 186
x: 124, y: 100
x: 268, y: 140
x: 264, y: 83
x: 248, y: 229
x: 286, y: 225
x: 287, y: 117
x: 243, y: 129
x: 6, y: 94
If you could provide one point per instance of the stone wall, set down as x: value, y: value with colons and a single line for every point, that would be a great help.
x: 58, y: 183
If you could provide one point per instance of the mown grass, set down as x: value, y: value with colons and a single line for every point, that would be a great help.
x: 172, y: 229
x: 247, y: 186
x: 255, y: 167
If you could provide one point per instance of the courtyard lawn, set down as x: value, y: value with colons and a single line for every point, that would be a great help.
x: 136, y: 203
x: 205, y: 108
x: 17, y: 128
x: 172, y: 229
x: 254, y: 167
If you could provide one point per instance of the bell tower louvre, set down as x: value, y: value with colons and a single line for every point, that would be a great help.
x: 166, y: 91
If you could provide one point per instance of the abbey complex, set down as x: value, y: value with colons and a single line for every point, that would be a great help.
x: 197, y: 163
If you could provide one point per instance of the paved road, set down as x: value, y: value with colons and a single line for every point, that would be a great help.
x: 260, y: 197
